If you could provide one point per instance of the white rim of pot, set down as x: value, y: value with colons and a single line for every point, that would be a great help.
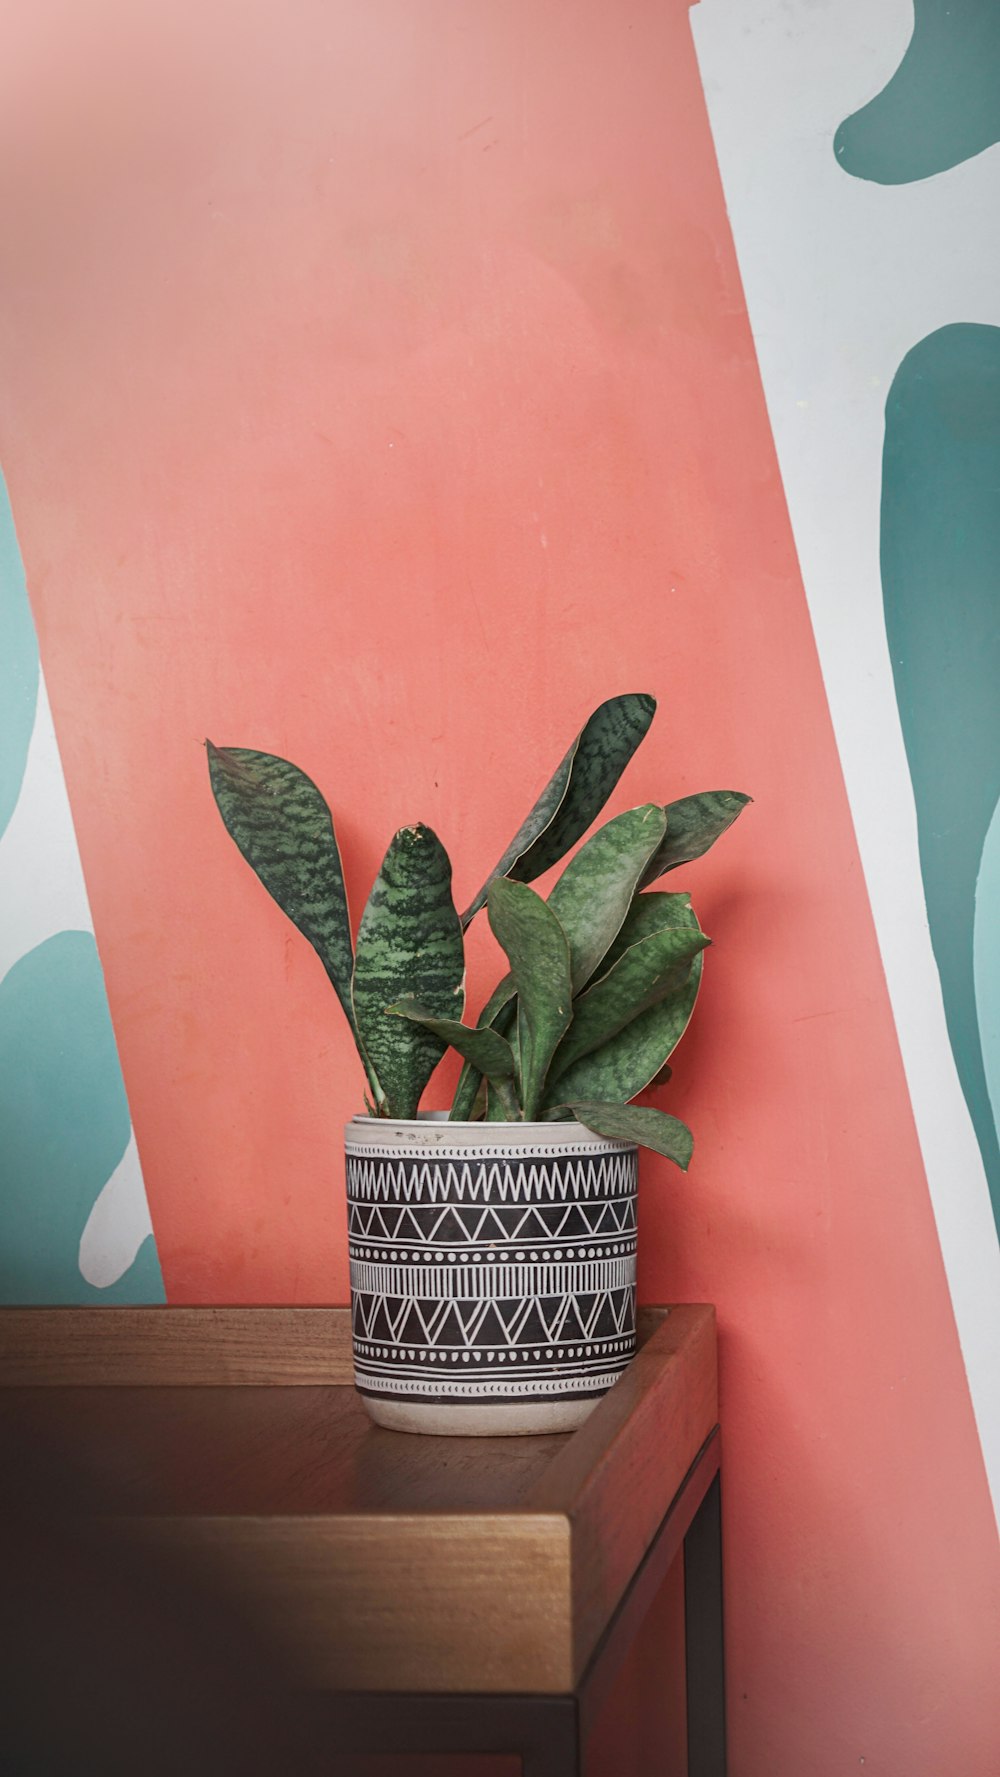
x: 432, y: 1129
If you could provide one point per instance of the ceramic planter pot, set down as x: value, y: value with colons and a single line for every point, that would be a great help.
x: 492, y: 1272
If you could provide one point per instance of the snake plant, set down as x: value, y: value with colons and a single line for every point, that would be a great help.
x: 602, y: 976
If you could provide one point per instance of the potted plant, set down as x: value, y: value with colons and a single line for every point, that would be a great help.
x: 492, y: 1246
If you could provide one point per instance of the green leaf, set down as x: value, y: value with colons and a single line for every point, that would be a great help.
x: 469, y: 1079
x: 499, y: 999
x: 284, y: 829
x: 538, y: 953
x: 650, y: 913
x: 477, y: 1109
x: 625, y: 1065
x: 487, y: 1051
x: 576, y: 793
x: 639, y: 1123
x: 591, y: 900
x: 693, y: 824
x: 594, y: 892
x: 648, y: 972
x: 501, y: 1102
x: 463, y: 1105
x: 409, y: 946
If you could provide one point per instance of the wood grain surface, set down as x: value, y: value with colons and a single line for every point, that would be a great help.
x: 185, y: 1347
x: 170, y: 1347
x: 438, y: 1603
x: 231, y: 1452
x: 368, y: 1558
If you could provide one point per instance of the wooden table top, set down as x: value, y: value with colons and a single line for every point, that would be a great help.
x: 379, y: 1559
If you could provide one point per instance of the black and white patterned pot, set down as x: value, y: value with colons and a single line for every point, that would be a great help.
x: 492, y: 1272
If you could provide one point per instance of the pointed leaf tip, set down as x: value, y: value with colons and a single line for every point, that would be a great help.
x: 694, y: 823
x: 641, y: 1124
x: 576, y: 793
x: 281, y: 823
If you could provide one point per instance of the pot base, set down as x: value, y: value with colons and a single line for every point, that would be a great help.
x: 518, y: 1419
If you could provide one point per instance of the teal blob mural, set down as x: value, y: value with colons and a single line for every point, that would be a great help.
x: 941, y: 589
x: 986, y: 961
x: 18, y: 665
x: 65, y: 1123
x: 942, y: 105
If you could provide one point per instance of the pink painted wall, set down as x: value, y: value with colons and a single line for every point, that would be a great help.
x: 376, y: 388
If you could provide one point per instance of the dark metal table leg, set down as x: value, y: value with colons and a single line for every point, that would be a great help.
x: 553, y: 1749
x: 706, y: 1684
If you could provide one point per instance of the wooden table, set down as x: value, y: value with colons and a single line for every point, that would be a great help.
x: 431, y: 1594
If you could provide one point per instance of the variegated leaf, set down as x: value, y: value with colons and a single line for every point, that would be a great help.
x: 650, y: 913
x: 694, y: 823
x: 576, y: 793
x: 647, y: 973
x: 536, y: 948
x: 592, y: 896
x: 284, y: 828
x: 639, y: 1123
x: 409, y: 946
x: 622, y: 1067
x: 488, y: 1052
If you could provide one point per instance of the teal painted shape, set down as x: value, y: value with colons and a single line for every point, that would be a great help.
x: 141, y: 1283
x: 65, y: 1123
x: 986, y: 961
x: 18, y: 665
x: 941, y: 590
x: 942, y: 105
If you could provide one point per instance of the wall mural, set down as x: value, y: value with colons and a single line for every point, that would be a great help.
x: 399, y: 359
x: 940, y: 530
x: 939, y: 555
x: 875, y: 316
x: 76, y: 1224
x: 941, y: 586
x: 942, y: 105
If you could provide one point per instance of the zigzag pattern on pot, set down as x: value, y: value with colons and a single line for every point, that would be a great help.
x: 383, y: 1175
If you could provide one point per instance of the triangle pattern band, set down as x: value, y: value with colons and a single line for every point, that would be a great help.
x: 505, y: 1324
x: 458, y: 1223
